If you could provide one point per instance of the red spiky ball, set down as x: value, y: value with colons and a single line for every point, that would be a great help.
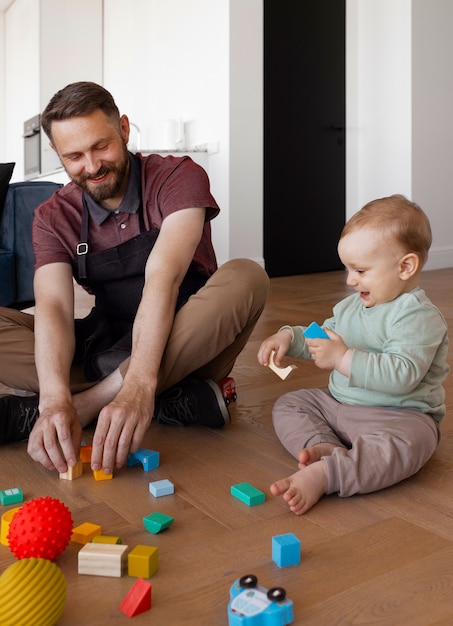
x: 41, y: 529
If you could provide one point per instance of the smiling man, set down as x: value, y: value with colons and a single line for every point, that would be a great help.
x: 167, y: 322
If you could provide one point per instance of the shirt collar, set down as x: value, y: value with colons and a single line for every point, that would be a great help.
x: 129, y: 204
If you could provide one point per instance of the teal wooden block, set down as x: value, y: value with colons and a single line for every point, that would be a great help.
x: 11, y: 496
x: 248, y: 494
x: 156, y: 522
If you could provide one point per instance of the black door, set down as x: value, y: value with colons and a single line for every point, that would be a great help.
x: 304, y: 134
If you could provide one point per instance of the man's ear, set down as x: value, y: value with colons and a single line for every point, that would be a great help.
x: 125, y: 128
x: 409, y: 265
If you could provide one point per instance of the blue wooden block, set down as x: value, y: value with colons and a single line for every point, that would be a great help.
x: 160, y: 488
x: 248, y: 494
x: 148, y: 458
x: 11, y: 496
x: 286, y: 550
x: 156, y: 522
x: 314, y: 331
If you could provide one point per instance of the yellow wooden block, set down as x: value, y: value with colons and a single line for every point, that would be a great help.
x: 6, y: 521
x: 102, y: 559
x: 101, y: 475
x: 85, y: 532
x: 73, y: 472
x: 143, y: 561
x: 106, y: 539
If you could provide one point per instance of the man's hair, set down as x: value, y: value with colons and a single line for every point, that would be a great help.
x: 399, y: 218
x: 76, y: 100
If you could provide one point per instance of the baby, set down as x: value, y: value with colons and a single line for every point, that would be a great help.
x: 378, y: 421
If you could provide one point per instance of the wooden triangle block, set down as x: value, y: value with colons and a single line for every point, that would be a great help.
x: 138, y: 600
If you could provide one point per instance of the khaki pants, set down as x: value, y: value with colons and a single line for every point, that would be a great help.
x: 208, y: 333
x: 379, y: 446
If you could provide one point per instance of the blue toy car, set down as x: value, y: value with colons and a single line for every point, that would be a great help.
x: 253, y: 605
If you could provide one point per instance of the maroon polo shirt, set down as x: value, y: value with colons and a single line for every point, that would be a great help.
x: 168, y: 184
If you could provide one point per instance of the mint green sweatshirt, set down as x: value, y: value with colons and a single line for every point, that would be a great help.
x: 399, y: 353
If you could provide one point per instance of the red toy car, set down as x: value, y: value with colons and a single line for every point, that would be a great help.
x: 228, y: 387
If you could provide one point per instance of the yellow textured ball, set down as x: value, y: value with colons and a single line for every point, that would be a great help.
x: 32, y: 593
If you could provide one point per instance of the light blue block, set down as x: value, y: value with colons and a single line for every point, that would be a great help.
x: 286, y: 550
x: 160, y: 488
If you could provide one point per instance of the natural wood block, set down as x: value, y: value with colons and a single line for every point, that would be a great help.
x: 73, y: 472
x: 103, y: 559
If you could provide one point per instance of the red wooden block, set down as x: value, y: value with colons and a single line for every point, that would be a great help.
x: 138, y: 600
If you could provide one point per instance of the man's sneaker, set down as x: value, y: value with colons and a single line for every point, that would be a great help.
x: 17, y: 417
x: 193, y: 402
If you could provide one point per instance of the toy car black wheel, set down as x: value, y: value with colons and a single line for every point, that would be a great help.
x: 227, y: 401
x: 249, y: 581
x: 234, y: 397
x: 276, y: 594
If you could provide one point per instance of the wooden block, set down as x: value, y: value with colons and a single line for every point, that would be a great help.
x: 102, y: 559
x: 283, y: 372
x: 143, y: 561
x: 11, y: 496
x: 85, y: 453
x: 138, y: 599
x: 85, y: 532
x: 73, y: 472
x: 248, y: 494
x: 156, y: 522
x: 101, y: 475
x: 106, y: 539
x: 148, y: 458
x: 160, y: 488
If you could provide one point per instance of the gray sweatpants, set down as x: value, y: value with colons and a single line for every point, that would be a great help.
x: 378, y: 447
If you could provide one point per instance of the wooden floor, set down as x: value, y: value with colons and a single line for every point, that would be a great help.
x: 384, y: 558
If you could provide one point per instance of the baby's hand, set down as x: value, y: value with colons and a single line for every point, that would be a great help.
x: 279, y: 343
x: 330, y: 354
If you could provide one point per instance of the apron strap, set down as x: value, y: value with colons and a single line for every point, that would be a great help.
x: 82, y: 247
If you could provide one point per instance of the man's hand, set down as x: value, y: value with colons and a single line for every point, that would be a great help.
x: 331, y: 354
x: 121, y: 426
x: 55, y: 439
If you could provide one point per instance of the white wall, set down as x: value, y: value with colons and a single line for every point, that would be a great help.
x: 399, y: 103
x: 432, y: 117
x: 378, y: 100
x: 202, y: 60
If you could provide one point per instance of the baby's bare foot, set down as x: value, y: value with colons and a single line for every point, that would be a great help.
x: 304, y: 488
x: 313, y: 454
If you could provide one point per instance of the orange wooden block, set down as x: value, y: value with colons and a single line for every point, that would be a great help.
x: 85, y: 532
x: 138, y: 600
x: 101, y: 475
x: 85, y: 453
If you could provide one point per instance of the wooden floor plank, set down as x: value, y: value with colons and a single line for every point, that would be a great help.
x: 382, y: 558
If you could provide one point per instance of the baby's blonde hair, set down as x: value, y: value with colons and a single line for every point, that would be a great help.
x: 398, y: 217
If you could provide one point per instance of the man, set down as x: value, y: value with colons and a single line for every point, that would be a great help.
x: 167, y: 323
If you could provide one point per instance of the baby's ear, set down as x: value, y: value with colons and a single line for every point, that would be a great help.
x: 409, y: 265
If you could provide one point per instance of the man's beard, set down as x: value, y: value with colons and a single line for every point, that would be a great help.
x: 105, y: 191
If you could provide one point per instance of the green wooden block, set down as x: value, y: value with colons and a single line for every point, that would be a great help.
x: 248, y: 494
x: 11, y: 496
x: 156, y: 522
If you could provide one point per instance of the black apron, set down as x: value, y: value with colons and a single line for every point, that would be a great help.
x: 116, y: 277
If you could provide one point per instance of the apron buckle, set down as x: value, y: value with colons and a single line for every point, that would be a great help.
x: 82, y: 248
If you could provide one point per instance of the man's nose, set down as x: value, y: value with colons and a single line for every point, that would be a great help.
x: 92, y: 164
